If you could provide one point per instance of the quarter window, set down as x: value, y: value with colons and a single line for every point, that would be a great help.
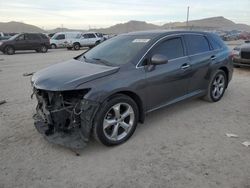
x: 196, y: 44
x: 171, y: 48
x: 32, y: 37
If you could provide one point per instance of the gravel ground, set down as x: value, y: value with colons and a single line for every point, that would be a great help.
x: 180, y: 146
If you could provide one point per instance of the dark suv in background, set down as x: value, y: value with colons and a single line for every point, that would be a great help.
x: 25, y: 41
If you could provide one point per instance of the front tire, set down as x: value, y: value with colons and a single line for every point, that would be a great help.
x: 116, y: 122
x: 216, y: 87
x: 9, y: 50
x: 53, y: 46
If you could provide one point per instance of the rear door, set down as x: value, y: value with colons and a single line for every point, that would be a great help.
x: 200, y: 56
x: 168, y: 82
x: 85, y: 40
x: 92, y: 38
x: 33, y: 41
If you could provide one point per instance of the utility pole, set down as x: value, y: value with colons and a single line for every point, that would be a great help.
x: 187, y: 16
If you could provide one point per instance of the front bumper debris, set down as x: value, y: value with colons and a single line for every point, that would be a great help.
x: 65, y: 118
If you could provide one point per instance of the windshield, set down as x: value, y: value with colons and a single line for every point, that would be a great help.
x: 116, y: 51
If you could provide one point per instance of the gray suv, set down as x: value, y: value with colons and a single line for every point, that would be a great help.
x: 107, y: 90
x: 25, y: 41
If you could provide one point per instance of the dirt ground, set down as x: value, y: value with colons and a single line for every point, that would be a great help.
x: 183, y: 146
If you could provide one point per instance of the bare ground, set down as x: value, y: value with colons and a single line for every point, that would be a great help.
x: 180, y: 146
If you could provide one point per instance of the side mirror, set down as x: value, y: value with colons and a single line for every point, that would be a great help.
x: 158, y: 59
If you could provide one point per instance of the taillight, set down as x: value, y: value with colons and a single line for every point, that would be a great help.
x: 234, y: 53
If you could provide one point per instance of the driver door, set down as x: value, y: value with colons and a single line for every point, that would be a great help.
x: 168, y: 82
x: 21, y: 43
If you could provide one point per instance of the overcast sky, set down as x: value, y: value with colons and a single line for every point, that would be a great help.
x: 82, y: 14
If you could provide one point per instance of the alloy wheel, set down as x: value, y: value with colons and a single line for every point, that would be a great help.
x: 218, y: 86
x: 43, y: 49
x: 118, y: 121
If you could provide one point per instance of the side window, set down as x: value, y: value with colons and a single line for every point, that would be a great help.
x: 196, y: 44
x: 60, y: 37
x: 43, y: 36
x: 21, y: 37
x: 91, y: 35
x: 86, y: 36
x: 32, y: 37
x: 171, y: 48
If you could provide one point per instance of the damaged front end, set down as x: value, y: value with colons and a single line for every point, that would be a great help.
x: 65, y: 118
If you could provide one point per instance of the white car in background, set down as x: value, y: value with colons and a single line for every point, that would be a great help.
x: 60, y: 40
x: 88, y: 39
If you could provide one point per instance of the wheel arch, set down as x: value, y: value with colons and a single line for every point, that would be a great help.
x: 9, y: 45
x: 53, y: 44
x: 137, y: 100
x: 77, y: 43
x: 226, y: 71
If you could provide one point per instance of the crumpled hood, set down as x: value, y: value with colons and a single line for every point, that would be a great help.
x: 70, y: 74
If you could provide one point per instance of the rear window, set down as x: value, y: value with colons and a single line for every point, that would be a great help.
x: 216, y: 42
x: 171, y: 48
x: 197, y: 44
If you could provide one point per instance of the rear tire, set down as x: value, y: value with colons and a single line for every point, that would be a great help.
x: 76, y: 46
x: 217, y: 86
x: 9, y: 50
x: 43, y: 49
x: 116, y: 120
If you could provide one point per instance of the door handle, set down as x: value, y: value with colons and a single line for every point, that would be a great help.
x: 213, y: 57
x: 185, y: 66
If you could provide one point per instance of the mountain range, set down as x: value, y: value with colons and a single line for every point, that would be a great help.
x: 214, y: 23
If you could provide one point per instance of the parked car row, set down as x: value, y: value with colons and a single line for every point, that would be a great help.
x: 235, y: 35
x: 76, y: 40
x: 41, y: 42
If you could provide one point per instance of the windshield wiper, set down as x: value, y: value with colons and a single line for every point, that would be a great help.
x: 103, y: 61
